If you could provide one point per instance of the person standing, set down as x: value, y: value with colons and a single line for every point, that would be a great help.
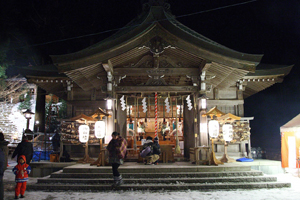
x: 3, y: 162
x: 21, y: 170
x: 56, y: 142
x: 24, y: 148
x: 3, y: 165
x: 117, y: 150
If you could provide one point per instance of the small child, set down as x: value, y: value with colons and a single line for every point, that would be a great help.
x: 21, y: 170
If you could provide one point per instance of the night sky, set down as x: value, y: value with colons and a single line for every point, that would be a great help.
x: 37, y: 29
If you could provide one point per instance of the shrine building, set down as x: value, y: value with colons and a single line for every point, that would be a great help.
x: 161, y: 79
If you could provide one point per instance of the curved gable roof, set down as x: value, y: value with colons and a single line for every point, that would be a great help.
x: 157, y: 21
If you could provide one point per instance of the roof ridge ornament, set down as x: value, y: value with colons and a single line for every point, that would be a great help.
x: 147, y: 4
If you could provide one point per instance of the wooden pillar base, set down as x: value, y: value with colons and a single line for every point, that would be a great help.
x: 227, y: 159
x: 86, y: 159
x: 213, y: 159
x: 101, y: 159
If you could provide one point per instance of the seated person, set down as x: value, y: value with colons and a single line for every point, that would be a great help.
x: 151, y: 158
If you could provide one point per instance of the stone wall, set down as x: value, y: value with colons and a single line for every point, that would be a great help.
x: 13, y: 122
x: 7, y: 126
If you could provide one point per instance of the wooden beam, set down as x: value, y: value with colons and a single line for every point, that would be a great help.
x: 156, y: 72
x: 108, y: 66
x: 147, y: 89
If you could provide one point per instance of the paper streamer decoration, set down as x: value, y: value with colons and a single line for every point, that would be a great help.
x: 144, y: 105
x: 167, y: 105
x: 122, y: 101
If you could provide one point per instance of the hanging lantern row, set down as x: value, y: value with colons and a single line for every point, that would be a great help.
x: 53, y: 81
x: 258, y: 80
x: 227, y: 129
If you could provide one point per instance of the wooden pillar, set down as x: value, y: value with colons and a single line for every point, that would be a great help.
x: 69, y: 110
x: 40, y: 110
x: 216, y: 94
x: 188, y: 130
x: 121, y: 120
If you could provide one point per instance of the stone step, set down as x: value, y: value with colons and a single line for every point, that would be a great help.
x: 156, y: 187
x: 157, y: 168
x: 157, y: 175
x: 157, y: 180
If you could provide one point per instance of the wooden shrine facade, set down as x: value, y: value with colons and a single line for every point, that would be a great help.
x: 155, y: 53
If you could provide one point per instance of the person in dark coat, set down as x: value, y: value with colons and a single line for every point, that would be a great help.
x: 56, y: 142
x: 24, y: 148
x: 117, y: 150
x: 3, y: 147
x: 151, y: 158
x: 3, y: 162
x: 3, y: 165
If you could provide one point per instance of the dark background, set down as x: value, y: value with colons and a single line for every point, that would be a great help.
x: 37, y: 29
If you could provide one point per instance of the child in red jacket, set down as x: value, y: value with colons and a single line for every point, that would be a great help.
x: 21, y: 170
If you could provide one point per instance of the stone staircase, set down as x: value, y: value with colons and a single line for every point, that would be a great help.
x: 168, y: 177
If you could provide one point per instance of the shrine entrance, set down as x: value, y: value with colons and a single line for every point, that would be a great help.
x: 158, y: 115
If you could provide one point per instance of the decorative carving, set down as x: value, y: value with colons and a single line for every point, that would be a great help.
x: 157, y: 46
x: 159, y: 71
x: 156, y: 81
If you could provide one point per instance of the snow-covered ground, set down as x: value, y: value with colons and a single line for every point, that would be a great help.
x: 292, y: 193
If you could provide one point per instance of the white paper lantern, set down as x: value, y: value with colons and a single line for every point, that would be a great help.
x: 84, y: 132
x: 227, y: 132
x: 100, y: 129
x: 213, y: 128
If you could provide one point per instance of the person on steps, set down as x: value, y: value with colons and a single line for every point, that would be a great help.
x: 117, y: 150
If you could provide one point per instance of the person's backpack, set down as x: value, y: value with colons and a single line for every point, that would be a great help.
x: 145, y: 151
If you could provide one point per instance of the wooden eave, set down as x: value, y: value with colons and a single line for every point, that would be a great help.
x: 99, y: 112
x: 214, y: 111
x: 82, y: 117
x: 145, y: 89
x: 123, y: 52
x: 54, y: 85
x: 228, y: 118
x: 263, y: 79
